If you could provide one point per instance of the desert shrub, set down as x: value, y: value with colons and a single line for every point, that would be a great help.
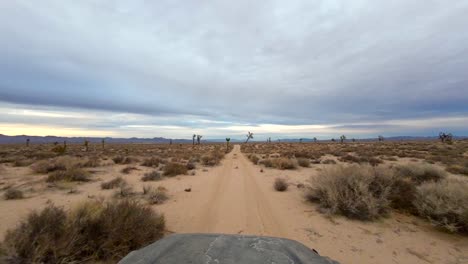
x: 349, y: 158
x: 60, y: 150
x: 402, y: 194
x: 328, y: 161
x: 70, y: 174
x: 124, y: 191
x: 444, y: 203
x: 458, y: 168
x: 114, y: 183
x: 303, y: 162
x: 92, y: 232
x: 157, y: 196
x: 211, y: 159
x: 91, y: 163
x: 152, y: 176
x: 190, y: 166
x: 254, y: 158
x: 123, y: 160
x: 280, y: 185
x: 266, y: 162
x: 284, y: 164
x: 46, y: 166
x: 151, y: 162
x: 22, y: 162
x: 173, y: 169
x: 420, y: 173
x: 128, y: 169
x: 13, y: 194
x: 355, y: 191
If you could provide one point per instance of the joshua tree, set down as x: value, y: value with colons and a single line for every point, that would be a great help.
x: 249, y: 136
x: 381, y: 138
x: 27, y: 142
x: 445, y: 137
x: 354, y: 140
x: 300, y: 140
x: 333, y: 140
x: 193, y: 139
x: 269, y: 140
x: 65, y: 144
x: 103, y: 142
x: 55, y: 143
x: 86, y: 144
x: 315, y: 139
x: 199, y: 137
x: 170, y: 141
x: 342, y: 138
x: 227, y: 143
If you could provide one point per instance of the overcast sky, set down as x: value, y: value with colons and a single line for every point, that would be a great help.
x: 222, y: 68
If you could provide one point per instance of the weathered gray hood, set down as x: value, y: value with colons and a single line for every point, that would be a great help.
x: 217, y: 248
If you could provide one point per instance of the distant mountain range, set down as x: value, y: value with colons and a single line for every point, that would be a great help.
x: 51, y: 139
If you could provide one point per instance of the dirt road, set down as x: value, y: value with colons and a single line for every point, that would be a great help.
x: 229, y: 199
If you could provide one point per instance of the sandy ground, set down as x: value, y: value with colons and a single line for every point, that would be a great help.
x: 236, y: 198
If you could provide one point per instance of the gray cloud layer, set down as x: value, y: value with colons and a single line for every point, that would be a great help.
x: 274, y: 62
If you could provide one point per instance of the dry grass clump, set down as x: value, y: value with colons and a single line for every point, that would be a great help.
x: 284, y: 164
x: 280, y: 185
x: 13, y: 194
x: 92, y: 162
x: 124, y: 191
x: 190, y: 166
x: 254, y: 158
x: 70, y: 174
x: 458, y: 168
x: 266, y: 162
x: 155, y: 196
x: 21, y: 162
x: 212, y: 159
x: 151, y: 162
x: 420, y: 173
x: 173, y: 169
x: 444, y: 203
x: 46, y: 166
x: 303, y: 162
x: 328, y: 161
x: 123, y: 160
x: 92, y: 232
x: 114, y: 183
x: 128, y: 169
x: 354, y: 191
x: 152, y: 176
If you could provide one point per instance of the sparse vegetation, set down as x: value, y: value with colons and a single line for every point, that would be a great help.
x: 420, y: 173
x: 444, y: 203
x: 284, y: 164
x: 354, y: 191
x: 151, y: 162
x: 114, y: 183
x: 174, y: 169
x: 70, y: 174
x: 91, y: 232
x: 13, y: 194
x: 156, y: 196
x: 280, y: 185
x: 303, y: 162
x: 152, y: 176
x: 129, y: 169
